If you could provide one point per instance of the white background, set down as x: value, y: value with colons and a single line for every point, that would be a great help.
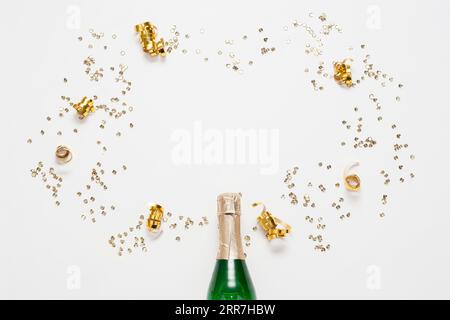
x: 407, y: 251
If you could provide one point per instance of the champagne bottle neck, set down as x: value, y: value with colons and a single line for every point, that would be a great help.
x: 229, y: 212
x: 230, y: 243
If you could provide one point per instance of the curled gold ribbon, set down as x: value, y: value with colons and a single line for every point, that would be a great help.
x: 155, y: 218
x: 342, y: 72
x: 351, y: 180
x: 147, y: 36
x: 274, y: 227
x: 84, y: 107
x: 63, y: 154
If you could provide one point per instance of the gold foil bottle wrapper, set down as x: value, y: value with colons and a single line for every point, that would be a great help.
x: 352, y: 181
x: 342, y: 73
x: 155, y: 218
x: 229, y: 203
x: 63, y: 154
x: 274, y: 227
x: 147, y: 37
x: 229, y: 215
x: 84, y: 107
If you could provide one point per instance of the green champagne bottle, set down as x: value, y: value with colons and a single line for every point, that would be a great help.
x: 231, y: 279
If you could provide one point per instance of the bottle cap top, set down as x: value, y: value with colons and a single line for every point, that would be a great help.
x: 229, y: 203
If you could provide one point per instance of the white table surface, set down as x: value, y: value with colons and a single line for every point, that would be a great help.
x: 49, y: 252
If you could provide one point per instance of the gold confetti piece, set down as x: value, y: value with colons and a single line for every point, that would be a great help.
x: 147, y: 36
x: 63, y: 154
x: 342, y: 73
x: 352, y: 181
x: 155, y: 218
x: 274, y: 227
x: 84, y: 107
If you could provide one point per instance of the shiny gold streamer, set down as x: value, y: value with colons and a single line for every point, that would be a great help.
x: 351, y: 180
x: 63, y: 154
x: 84, y: 107
x: 147, y: 37
x: 342, y: 72
x: 274, y: 227
x: 155, y: 218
